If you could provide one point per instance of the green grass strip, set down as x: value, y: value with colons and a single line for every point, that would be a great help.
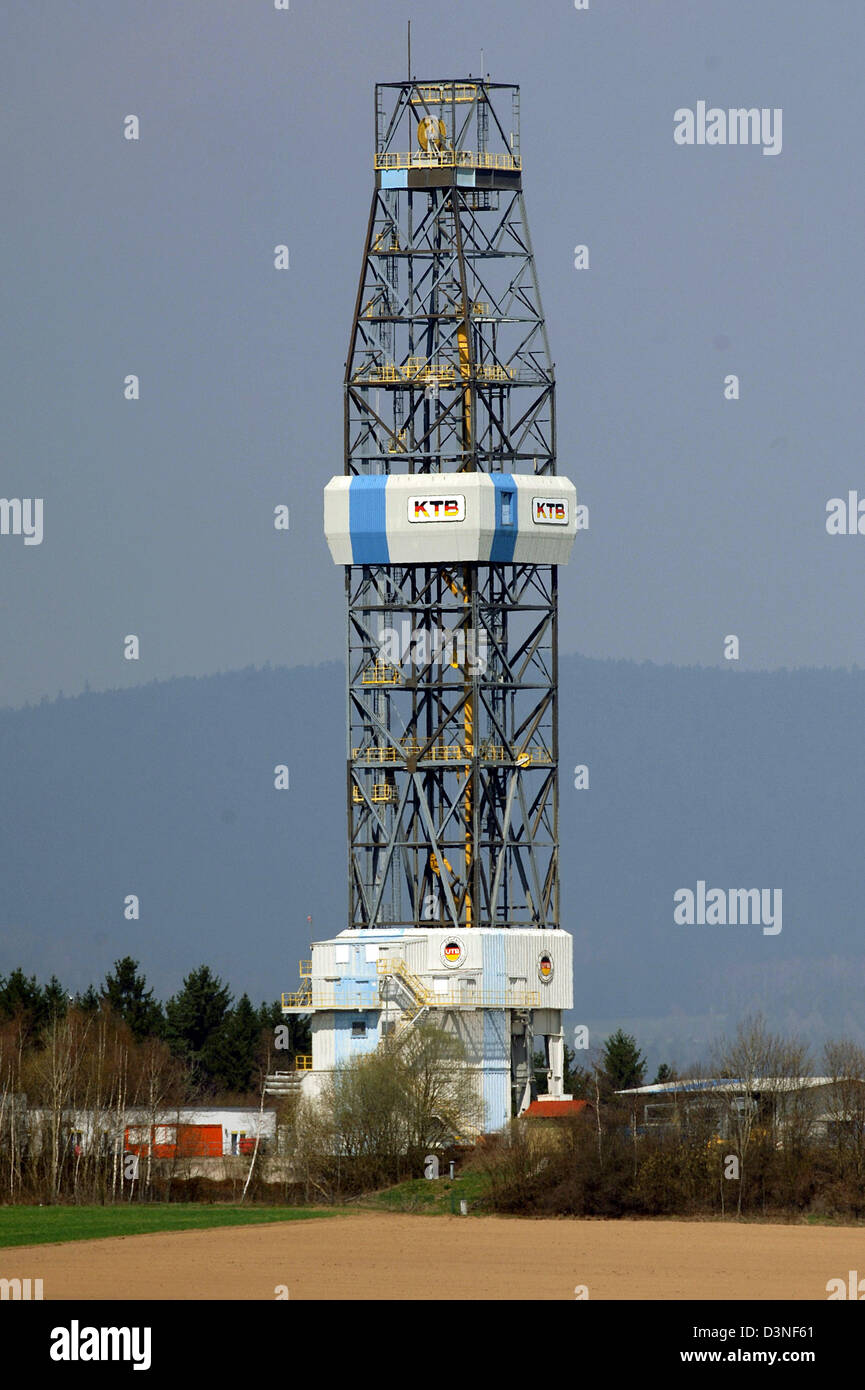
x: 21, y: 1225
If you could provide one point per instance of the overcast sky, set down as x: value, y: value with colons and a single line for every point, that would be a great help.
x: 155, y: 257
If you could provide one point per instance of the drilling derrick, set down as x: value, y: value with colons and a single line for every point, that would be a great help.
x: 450, y: 521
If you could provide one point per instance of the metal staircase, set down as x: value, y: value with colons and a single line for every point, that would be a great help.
x: 407, y: 991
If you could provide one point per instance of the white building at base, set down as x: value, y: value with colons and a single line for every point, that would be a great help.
x: 501, y: 993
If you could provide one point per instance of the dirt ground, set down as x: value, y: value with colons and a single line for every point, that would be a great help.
x: 450, y: 1257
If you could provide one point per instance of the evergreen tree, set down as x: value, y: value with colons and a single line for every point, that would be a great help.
x: 232, y: 1052
x: 299, y: 1035
x: 665, y: 1073
x: 126, y: 993
x: 194, y: 1017
x: 271, y: 1015
x: 18, y: 994
x: 624, y: 1066
x: 88, y: 1002
x: 23, y: 996
x: 55, y: 1000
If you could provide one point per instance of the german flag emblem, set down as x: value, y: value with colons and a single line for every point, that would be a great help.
x: 545, y: 967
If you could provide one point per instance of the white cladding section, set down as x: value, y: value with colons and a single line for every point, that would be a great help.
x: 481, y: 518
x: 478, y: 967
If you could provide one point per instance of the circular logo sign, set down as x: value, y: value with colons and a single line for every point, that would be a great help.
x: 546, y: 969
x: 453, y: 951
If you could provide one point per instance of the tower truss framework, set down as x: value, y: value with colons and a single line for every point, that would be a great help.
x: 452, y: 757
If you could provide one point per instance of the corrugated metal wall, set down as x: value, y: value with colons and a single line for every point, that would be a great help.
x: 496, y: 1068
x: 523, y: 950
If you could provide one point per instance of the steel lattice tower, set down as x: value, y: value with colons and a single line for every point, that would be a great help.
x: 450, y: 522
x: 452, y: 667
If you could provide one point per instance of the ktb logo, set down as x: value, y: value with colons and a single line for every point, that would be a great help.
x: 436, y: 508
x: 550, y: 511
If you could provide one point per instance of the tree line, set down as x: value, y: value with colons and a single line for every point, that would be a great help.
x: 773, y: 1130
x: 217, y: 1041
x: 99, y: 1056
x: 757, y: 1137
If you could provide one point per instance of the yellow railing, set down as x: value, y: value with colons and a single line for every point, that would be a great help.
x: 444, y: 159
x: 383, y: 792
x: 457, y: 997
x: 332, y: 999
x: 381, y: 673
x: 395, y: 965
x: 417, y: 369
x: 299, y: 999
x: 500, y: 753
x: 421, y: 372
x: 378, y: 754
x: 485, y: 372
x: 421, y: 369
x: 443, y: 93
x: 447, y: 753
x: 381, y: 237
x: 451, y: 753
x: 322, y: 995
x: 531, y: 756
x: 454, y: 999
x: 439, y: 753
x: 387, y: 371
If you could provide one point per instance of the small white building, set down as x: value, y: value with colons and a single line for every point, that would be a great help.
x: 819, y: 1104
x: 169, y: 1132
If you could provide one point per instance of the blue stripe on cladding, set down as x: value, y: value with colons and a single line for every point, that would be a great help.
x: 495, y: 979
x: 367, y: 520
x: 505, y: 537
x: 344, y: 1045
x: 496, y: 1068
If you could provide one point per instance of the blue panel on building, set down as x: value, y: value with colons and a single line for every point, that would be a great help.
x: 367, y: 520
x: 394, y: 178
x: 348, y: 1040
x: 505, y: 537
x: 497, y: 1068
x: 495, y: 979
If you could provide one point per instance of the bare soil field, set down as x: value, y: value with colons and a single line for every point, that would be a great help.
x: 442, y: 1257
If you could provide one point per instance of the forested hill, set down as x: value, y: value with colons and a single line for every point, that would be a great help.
x: 166, y: 791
